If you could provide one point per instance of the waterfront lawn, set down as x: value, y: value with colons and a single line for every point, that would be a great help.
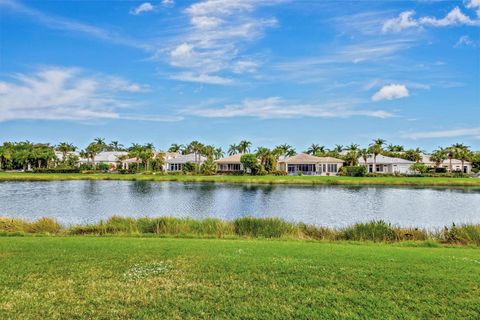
x: 316, y: 180
x: 152, y: 278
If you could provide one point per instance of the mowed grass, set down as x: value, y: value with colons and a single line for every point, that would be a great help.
x: 316, y: 180
x: 160, y: 278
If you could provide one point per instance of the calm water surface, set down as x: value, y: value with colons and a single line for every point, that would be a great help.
x: 73, y: 202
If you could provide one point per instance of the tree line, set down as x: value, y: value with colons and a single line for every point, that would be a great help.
x: 25, y: 154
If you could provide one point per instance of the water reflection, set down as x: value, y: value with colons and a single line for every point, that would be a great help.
x: 90, y: 201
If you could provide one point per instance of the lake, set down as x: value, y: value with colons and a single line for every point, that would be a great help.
x: 74, y: 202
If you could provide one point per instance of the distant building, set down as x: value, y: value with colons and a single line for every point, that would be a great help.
x: 230, y: 164
x: 310, y: 165
x: 456, y: 164
x: 111, y: 158
x: 178, y: 163
x: 384, y: 164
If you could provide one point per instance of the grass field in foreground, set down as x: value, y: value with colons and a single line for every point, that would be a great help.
x: 317, y: 180
x: 151, y: 278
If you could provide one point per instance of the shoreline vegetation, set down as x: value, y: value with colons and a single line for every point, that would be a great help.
x: 247, y: 179
x: 245, y: 228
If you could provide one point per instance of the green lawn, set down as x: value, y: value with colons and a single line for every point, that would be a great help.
x: 153, y: 278
x: 320, y: 180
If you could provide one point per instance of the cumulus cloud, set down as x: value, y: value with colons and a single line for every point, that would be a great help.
x: 218, y: 31
x: 144, y: 7
x: 474, y: 5
x: 391, y: 92
x: 278, y: 108
x: 454, y: 133
x: 406, y: 20
x: 56, y: 93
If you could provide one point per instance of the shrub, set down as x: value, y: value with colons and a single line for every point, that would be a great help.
x: 465, y: 234
x: 353, y: 171
x: 419, y: 168
x: 266, y: 227
x: 12, y: 224
x: 373, y: 231
x: 44, y: 225
x: 279, y: 173
x: 209, y: 167
x: 317, y: 233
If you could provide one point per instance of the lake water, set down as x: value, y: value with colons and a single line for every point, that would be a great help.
x: 73, y: 202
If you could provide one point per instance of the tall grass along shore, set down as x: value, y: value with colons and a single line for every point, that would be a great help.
x: 269, y: 179
x: 246, y: 227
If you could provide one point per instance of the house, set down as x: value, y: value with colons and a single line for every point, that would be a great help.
x: 456, y: 164
x: 166, y: 156
x: 386, y: 164
x: 111, y: 158
x: 310, y: 165
x: 177, y: 163
x: 230, y: 164
x: 59, y: 154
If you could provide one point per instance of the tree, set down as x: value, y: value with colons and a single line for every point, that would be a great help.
x: 338, y: 148
x: 232, y: 149
x: 92, y: 150
x: 175, y: 147
x: 209, y: 167
x: 365, y: 154
x: 413, y: 155
x: 419, y: 167
x: 438, y: 156
x: 244, y: 146
x: 458, y: 151
x: 395, y: 148
x: 65, y: 148
x: 376, y: 148
x: 315, y: 149
x: 218, y: 153
x: 250, y: 163
x: 197, y: 148
x: 115, y: 146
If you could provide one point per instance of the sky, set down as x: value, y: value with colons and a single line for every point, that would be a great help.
x: 220, y: 71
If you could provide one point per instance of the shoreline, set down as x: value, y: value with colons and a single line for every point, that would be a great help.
x: 285, y: 180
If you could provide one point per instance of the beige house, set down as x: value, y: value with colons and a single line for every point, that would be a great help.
x: 177, y: 163
x: 111, y: 158
x: 229, y: 164
x: 310, y: 165
x: 456, y: 164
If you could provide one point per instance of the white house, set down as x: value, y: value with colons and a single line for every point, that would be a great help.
x: 386, y: 164
x: 310, y: 165
x: 166, y: 156
x: 230, y: 164
x: 111, y: 158
x: 456, y: 164
x: 177, y: 163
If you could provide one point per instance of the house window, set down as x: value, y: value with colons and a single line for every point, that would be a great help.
x: 332, y: 167
x: 379, y: 167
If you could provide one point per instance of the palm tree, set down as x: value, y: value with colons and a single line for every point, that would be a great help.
x: 395, y: 148
x: 263, y: 153
x: 175, y: 147
x: 376, y: 148
x: 232, y: 149
x: 218, y: 153
x: 284, y: 150
x: 338, y: 148
x: 314, y: 149
x: 364, y: 154
x: 65, y: 148
x: 438, y: 156
x: 115, y: 146
x: 244, y: 146
x: 197, y: 148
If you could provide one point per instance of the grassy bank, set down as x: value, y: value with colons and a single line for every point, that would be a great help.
x: 247, y: 227
x: 312, y: 180
x: 150, y: 278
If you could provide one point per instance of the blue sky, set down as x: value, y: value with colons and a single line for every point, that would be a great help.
x: 218, y: 71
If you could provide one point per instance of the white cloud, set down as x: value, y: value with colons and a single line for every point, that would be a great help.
x: 474, y: 5
x: 390, y: 92
x: 276, y: 107
x: 218, y: 32
x: 144, y: 7
x: 406, y: 20
x: 201, y: 78
x: 64, y: 24
x: 55, y: 93
x: 168, y: 3
x: 465, y: 41
x: 454, y: 133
